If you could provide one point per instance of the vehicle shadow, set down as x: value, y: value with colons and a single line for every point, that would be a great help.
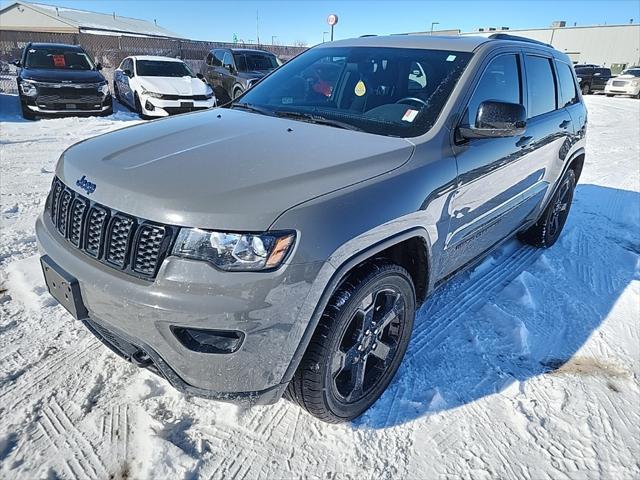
x: 522, y: 312
x: 10, y: 110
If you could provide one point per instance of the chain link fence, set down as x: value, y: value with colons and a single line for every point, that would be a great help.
x: 109, y: 50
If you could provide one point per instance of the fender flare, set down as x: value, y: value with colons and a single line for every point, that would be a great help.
x: 340, y: 274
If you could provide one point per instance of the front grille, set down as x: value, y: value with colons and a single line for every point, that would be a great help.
x: 185, y: 97
x: 124, y: 242
x: 177, y: 110
x: 619, y: 83
x: 45, y: 99
x: 69, y: 92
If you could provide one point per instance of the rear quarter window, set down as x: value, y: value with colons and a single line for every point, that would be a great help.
x: 568, y: 92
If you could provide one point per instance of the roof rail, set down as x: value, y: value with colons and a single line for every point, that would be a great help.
x: 516, y: 38
x: 368, y: 35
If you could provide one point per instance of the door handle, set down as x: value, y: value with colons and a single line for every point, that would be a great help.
x: 523, y: 142
x: 565, y: 124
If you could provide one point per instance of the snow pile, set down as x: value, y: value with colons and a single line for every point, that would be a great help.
x: 526, y: 367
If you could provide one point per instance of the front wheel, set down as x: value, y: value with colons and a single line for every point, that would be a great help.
x: 26, y: 113
x: 547, y: 230
x: 358, y: 344
x: 609, y: 94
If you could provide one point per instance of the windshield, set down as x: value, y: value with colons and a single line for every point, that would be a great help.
x: 632, y: 71
x: 387, y: 91
x: 158, y: 68
x: 58, y: 58
x: 247, y: 62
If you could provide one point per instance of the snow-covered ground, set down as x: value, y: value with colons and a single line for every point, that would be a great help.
x: 526, y: 367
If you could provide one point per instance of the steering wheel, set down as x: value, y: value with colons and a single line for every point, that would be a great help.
x: 412, y: 99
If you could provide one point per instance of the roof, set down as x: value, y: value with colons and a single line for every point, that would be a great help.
x: 83, y: 19
x: 433, y: 42
x: 55, y: 45
x: 156, y: 58
x: 242, y: 50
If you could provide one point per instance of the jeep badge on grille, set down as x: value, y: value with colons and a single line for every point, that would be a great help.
x: 86, y: 185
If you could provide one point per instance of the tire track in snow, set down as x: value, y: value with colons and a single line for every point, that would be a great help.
x: 53, y: 365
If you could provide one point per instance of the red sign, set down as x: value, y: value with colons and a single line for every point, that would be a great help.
x: 58, y: 61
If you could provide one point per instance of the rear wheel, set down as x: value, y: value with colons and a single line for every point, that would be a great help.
x: 586, y: 90
x: 358, y: 345
x: 548, y: 228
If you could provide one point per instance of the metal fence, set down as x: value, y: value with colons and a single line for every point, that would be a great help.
x: 111, y: 49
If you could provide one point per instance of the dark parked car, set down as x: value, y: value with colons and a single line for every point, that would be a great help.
x: 592, y: 79
x: 61, y: 79
x: 284, y: 244
x: 232, y: 71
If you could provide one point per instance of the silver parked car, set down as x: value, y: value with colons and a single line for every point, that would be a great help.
x: 284, y: 244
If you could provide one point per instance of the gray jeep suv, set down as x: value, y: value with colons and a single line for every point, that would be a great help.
x: 282, y: 246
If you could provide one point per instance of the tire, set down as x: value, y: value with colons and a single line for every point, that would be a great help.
x: 237, y: 92
x: 586, y: 89
x: 347, y: 343
x: 116, y: 92
x: 609, y: 94
x: 108, y: 112
x: 138, y: 105
x: 26, y: 113
x: 548, y: 228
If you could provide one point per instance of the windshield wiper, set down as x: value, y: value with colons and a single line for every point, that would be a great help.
x: 313, y: 118
x: 252, y: 108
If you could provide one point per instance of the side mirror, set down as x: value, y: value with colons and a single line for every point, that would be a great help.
x: 17, y: 63
x: 98, y: 66
x: 201, y: 77
x: 496, y: 119
x: 229, y: 67
x: 128, y: 73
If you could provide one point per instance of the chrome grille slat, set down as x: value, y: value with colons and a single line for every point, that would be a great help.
x: 134, y: 245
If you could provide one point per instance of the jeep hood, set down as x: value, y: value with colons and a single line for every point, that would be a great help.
x: 225, y: 169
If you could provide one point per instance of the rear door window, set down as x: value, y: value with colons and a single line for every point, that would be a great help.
x: 500, y: 82
x: 569, y: 94
x: 541, y: 85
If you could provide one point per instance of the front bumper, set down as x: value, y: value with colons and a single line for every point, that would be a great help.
x: 627, y: 89
x: 69, y: 105
x: 164, y: 108
x: 266, y: 307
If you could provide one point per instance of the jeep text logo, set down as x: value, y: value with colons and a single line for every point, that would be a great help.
x: 86, y: 185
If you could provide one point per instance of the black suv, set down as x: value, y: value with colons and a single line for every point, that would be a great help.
x: 232, y: 71
x: 61, y: 79
x: 592, y: 78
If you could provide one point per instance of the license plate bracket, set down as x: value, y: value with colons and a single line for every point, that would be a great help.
x: 186, y: 104
x: 64, y: 288
x: 70, y: 106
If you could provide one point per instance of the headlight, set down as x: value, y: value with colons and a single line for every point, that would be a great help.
x: 28, y: 88
x: 235, y: 251
x: 208, y: 92
x: 104, y: 89
x: 151, y: 94
x: 635, y: 82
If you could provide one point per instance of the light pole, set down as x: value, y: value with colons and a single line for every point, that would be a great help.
x: 432, y: 25
x: 323, y: 34
x: 273, y: 37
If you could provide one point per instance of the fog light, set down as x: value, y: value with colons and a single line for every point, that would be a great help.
x: 209, y: 341
x: 149, y: 106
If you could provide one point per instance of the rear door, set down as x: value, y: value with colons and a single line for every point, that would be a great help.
x: 122, y: 80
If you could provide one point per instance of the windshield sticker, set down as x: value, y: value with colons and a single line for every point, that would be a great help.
x: 410, y: 115
x: 360, y: 89
x: 451, y: 58
x: 58, y: 61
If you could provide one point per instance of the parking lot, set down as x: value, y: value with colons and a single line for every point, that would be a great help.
x: 526, y: 366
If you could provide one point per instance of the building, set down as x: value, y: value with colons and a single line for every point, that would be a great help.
x: 613, y: 46
x: 36, y: 17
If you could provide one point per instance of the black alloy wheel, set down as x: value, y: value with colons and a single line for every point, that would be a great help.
x: 358, y: 345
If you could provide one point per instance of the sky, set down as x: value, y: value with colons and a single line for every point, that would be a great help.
x: 286, y: 22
